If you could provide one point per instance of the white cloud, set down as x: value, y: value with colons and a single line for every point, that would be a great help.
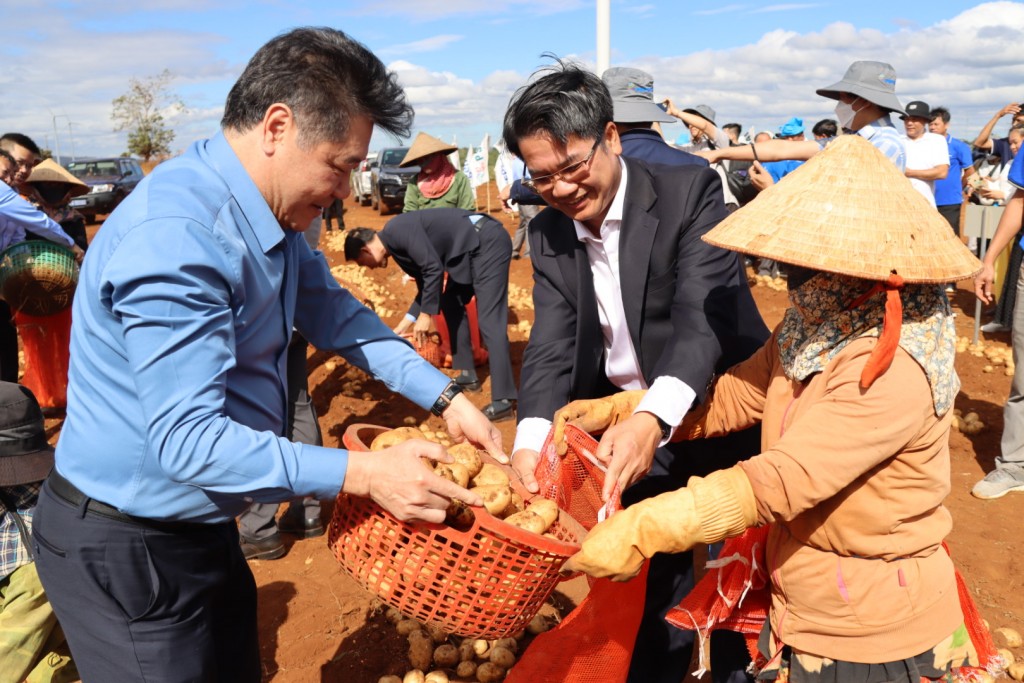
x: 431, y: 44
x: 788, y: 7
x: 432, y: 10
x: 725, y: 9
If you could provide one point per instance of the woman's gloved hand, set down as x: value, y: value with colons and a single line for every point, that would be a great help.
x: 595, y: 415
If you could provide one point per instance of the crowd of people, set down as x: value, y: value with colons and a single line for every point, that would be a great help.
x: 188, y: 418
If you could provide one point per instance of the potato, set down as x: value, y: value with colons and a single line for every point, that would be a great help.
x: 436, y: 633
x: 466, y: 669
x: 458, y: 515
x: 509, y: 644
x: 407, y: 626
x: 393, y: 615
x: 1016, y: 671
x: 539, y: 624
x: 421, y: 650
x: 436, y: 677
x: 516, y: 505
x: 466, y: 455
x: 481, y: 647
x: 489, y: 672
x: 1007, y: 655
x: 446, y: 656
x: 496, y: 498
x: 491, y: 475
x: 393, y: 437
x: 453, y: 472
x: 545, y: 509
x: 389, y: 679
x: 502, y: 656
x: 528, y: 521
x: 466, y: 653
x: 414, y: 676
x: 1007, y: 637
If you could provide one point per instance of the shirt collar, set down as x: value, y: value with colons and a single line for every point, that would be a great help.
x: 247, y: 196
x: 614, y: 211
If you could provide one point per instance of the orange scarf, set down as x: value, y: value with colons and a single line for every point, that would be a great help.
x: 436, y: 176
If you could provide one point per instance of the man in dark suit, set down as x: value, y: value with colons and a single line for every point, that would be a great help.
x: 626, y: 296
x: 475, y: 251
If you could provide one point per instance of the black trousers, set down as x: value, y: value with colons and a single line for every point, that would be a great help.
x: 141, y: 601
x: 490, y: 265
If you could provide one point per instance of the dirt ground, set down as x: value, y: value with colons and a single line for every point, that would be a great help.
x: 315, y: 624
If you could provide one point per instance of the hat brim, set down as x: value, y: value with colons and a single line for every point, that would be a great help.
x: 26, y: 468
x: 694, y: 111
x: 885, y: 100
x: 640, y: 112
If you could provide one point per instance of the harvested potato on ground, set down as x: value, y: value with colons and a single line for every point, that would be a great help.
x: 1006, y: 637
x: 436, y: 633
x: 496, y: 498
x: 1016, y: 671
x: 507, y: 643
x: 481, y: 647
x: 414, y: 676
x: 436, y: 677
x: 466, y: 653
x: 453, y: 472
x: 545, y: 509
x: 489, y: 672
x: 528, y: 521
x: 539, y: 624
x: 466, y: 669
x: 502, y: 656
x: 421, y: 650
x: 389, y: 679
x: 491, y: 475
x: 393, y: 437
x: 466, y: 455
x: 446, y: 656
x: 407, y: 626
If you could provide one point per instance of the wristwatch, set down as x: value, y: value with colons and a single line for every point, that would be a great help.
x: 445, y: 399
x: 666, y: 428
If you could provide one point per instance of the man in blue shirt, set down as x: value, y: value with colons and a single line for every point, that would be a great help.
x: 949, y: 191
x: 177, y: 396
x: 1008, y: 475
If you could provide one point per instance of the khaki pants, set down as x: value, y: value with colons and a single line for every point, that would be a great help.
x: 32, y: 645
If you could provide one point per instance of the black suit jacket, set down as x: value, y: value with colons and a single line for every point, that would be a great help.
x: 688, y: 305
x: 427, y: 244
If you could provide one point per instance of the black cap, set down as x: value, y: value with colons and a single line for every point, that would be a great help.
x: 25, y: 455
x: 918, y: 109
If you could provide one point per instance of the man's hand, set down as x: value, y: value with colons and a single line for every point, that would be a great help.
x: 402, y: 326
x: 403, y: 484
x: 983, y: 282
x: 594, y: 415
x: 760, y: 177
x: 465, y: 421
x: 78, y: 252
x: 524, y: 463
x: 1012, y: 108
x: 627, y: 449
x: 422, y: 328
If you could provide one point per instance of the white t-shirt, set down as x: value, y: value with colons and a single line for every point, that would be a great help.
x: 928, y: 151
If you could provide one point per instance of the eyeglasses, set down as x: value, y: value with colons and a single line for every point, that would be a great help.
x: 571, y: 174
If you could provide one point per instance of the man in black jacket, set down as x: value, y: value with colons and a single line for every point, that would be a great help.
x: 474, y: 251
x: 626, y: 296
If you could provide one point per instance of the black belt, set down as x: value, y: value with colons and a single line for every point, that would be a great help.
x: 70, y: 494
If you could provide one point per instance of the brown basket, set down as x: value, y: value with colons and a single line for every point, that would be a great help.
x: 486, y: 582
x: 38, y: 277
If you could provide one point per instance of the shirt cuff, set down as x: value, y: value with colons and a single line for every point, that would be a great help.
x: 531, y: 433
x: 669, y: 399
x: 321, y: 471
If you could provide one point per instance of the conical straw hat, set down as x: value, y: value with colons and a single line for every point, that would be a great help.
x: 850, y: 211
x: 49, y: 171
x: 423, y: 146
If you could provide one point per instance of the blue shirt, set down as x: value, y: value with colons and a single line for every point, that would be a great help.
x: 886, y: 139
x: 17, y: 215
x: 780, y: 169
x: 1016, y: 174
x: 177, y: 397
x: 950, y: 190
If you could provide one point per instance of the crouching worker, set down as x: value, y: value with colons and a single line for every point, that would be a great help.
x: 856, y: 410
x: 32, y: 645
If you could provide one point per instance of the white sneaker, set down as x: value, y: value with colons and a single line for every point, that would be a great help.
x: 994, y: 327
x: 998, y: 483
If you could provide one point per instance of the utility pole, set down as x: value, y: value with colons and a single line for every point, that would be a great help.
x: 604, y: 32
x: 56, y: 138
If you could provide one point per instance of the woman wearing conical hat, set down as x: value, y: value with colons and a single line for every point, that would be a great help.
x: 438, y: 184
x: 854, y: 391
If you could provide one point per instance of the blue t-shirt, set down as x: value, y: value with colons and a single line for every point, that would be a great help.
x: 780, y: 169
x: 949, y: 190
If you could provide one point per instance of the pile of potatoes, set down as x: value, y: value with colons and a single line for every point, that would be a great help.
x: 968, y: 424
x: 437, y: 657
x: 776, y: 283
x: 996, y: 354
x: 488, y: 481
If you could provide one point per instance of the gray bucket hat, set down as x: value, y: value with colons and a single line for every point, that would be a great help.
x: 632, y: 93
x: 873, y: 81
x: 703, y: 111
x: 25, y: 455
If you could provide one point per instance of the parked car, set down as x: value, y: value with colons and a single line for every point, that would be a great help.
x: 362, y: 180
x: 109, y: 181
x: 388, y: 181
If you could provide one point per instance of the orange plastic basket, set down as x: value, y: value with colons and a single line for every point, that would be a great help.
x: 486, y: 582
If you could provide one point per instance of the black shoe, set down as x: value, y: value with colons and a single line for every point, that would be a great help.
x: 516, y: 257
x: 468, y: 382
x: 269, y: 548
x: 303, y: 528
x: 502, y: 409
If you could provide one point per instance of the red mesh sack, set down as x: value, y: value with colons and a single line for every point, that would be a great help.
x: 594, y: 644
x: 46, y: 341
x: 432, y: 351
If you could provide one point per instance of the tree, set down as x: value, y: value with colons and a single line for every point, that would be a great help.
x: 139, y: 112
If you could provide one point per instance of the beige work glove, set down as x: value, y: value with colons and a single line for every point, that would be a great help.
x: 595, y: 415
x: 707, y: 510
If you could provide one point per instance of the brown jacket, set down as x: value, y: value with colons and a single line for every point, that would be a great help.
x: 854, y: 482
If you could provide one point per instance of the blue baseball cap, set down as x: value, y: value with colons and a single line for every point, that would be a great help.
x: 795, y: 126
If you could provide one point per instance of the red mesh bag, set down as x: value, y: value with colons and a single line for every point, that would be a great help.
x: 46, y: 341
x: 594, y: 644
x: 432, y: 351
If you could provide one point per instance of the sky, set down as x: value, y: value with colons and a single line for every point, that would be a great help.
x: 64, y: 61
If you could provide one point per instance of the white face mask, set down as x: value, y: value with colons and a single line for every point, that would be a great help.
x: 845, y: 113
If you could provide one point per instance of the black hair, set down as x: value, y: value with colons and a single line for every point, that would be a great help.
x: 326, y: 78
x: 940, y: 113
x: 733, y: 126
x: 826, y: 128
x: 567, y: 100
x: 20, y: 139
x: 355, y: 240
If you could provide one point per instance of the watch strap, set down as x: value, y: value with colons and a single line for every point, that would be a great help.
x: 445, y: 399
